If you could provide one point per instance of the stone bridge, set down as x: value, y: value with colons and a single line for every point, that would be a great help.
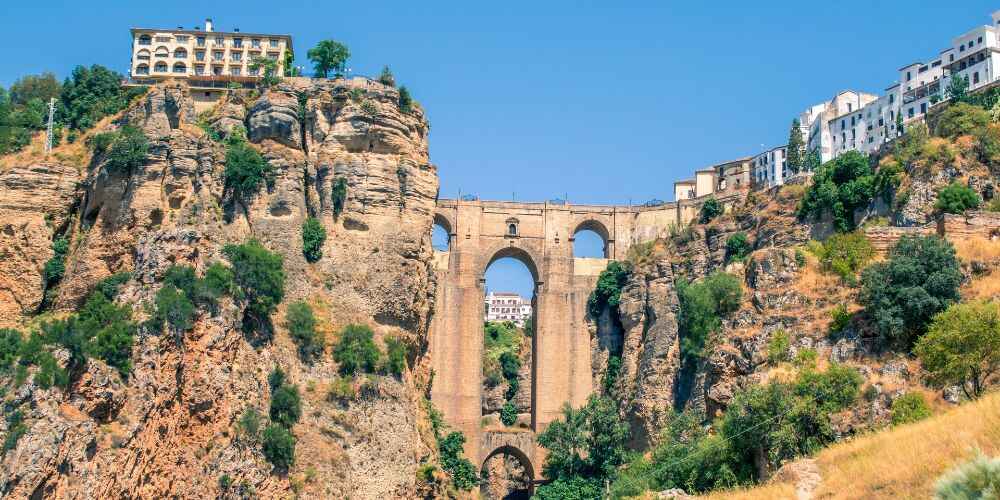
x: 541, y: 236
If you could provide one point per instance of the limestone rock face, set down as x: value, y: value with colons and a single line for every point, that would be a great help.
x: 36, y: 202
x: 169, y: 428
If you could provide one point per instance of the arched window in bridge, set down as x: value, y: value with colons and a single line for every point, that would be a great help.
x: 512, y: 227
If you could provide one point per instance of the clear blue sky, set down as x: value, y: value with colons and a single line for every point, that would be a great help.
x: 598, y: 100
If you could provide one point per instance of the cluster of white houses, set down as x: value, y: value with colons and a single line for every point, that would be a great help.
x: 859, y: 121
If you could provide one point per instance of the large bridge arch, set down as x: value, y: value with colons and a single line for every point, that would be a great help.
x: 542, y: 238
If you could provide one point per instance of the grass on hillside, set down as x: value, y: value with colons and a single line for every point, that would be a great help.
x: 901, y: 462
x: 499, y: 337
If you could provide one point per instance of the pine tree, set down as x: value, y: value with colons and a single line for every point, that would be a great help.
x: 796, y: 148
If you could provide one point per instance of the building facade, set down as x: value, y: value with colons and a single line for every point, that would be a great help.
x: 506, y: 306
x: 769, y: 168
x: 204, y: 57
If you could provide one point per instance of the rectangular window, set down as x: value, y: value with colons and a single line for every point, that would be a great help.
x: 237, y: 42
x: 163, y: 39
x: 219, y: 40
x: 217, y: 70
x: 217, y: 55
x: 199, y: 70
x: 235, y: 71
x: 236, y: 56
x: 255, y: 43
x: 975, y: 77
x: 273, y: 43
x: 908, y: 76
x: 892, y: 98
x: 909, y: 112
x: 199, y: 55
x: 980, y: 40
x: 253, y: 71
x: 201, y: 41
x: 923, y: 108
x: 951, y: 57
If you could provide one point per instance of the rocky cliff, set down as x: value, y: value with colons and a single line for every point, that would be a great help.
x: 168, y: 429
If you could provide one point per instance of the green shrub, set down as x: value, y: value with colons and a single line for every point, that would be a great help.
x: 800, y: 257
x: 286, y: 405
x: 246, y: 170
x: 508, y: 414
x: 778, y: 421
x: 276, y: 378
x: 15, y: 430
x: 805, y: 359
x: 278, y: 446
x: 956, y: 199
x: 356, y: 350
x: 513, y: 385
x: 10, y: 345
x: 225, y: 482
x: 259, y: 277
x: 460, y: 469
x: 711, y: 209
x: 127, y: 151
x: 702, y: 306
x: 386, y: 78
x: 978, y: 478
x: 902, y: 294
x: 844, y: 254
x: 686, y: 456
x: 839, y: 318
x: 572, y: 488
x: 313, y: 236
x: 218, y: 280
x: 840, y: 187
x: 737, y: 247
x: 910, y: 407
x: 338, y: 195
x: 182, y: 277
x: 607, y: 292
x: 396, y: 352
x: 248, y: 425
x: 961, y: 119
x: 510, y: 365
x: 962, y: 347
x: 90, y: 94
x: 301, y: 325
x: 174, y: 309
x: 50, y: 373
x: 109, y: 286
x: 778, y: 346
x: 341, y: 389
x: 55, y: 267
x: 405, y: 100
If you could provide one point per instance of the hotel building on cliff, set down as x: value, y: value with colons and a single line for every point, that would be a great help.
x: 210, y: 61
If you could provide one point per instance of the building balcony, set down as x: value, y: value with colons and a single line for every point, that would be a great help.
x: 922, y: 91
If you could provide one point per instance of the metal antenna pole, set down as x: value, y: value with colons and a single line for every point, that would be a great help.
x: 48, y: 130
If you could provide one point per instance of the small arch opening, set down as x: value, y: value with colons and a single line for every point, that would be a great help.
x: 590, y: 240
x: 512, y: 229
x: 506, y: 474
x: 440, y: 239
x: 161, y: 67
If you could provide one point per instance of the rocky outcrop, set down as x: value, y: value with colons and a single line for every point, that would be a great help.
x: 168, y: 429
x: 36, y: 204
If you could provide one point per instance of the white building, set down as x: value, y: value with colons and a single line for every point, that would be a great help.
x: 974, y: 54
x: 821, y: 117
x: 769, y: 168
x: 506, y: 306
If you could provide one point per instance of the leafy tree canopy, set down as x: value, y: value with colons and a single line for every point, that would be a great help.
x: 962, y: 346
x: 840, y: 187
x: 328, y: 55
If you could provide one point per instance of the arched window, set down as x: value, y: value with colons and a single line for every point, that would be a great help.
x: 180, y: 68
x: 142, y: 55
x: 144, y: 40
x: 162, y: 51
x: 180, y: 53
x: 161, y: 67
x: 512, y: 229
x: 142, y: 69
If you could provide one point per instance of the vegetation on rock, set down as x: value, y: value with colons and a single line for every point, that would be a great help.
x: 301, y: 324
x: 607, y: 292
x: 703, y: 304
x: 843, y: 254
x: 962, y: 347
x: 840, y: 187
x: 738, y: 247
x: 711, y: 209
x: 259, y: 278
x: 902, y: 294
x: 356, y: 350
x: 956, y: 199
x: 313, y: 236
x: 909, y: 407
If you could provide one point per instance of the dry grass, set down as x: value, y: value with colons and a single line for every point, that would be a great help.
x: 982, y: 288
x: 902, y: 462
x: 977, y: 248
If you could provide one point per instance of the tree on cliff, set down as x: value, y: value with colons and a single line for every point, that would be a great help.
x: 962, y: 347
x: 795, y: 158
x: 328, y: 55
